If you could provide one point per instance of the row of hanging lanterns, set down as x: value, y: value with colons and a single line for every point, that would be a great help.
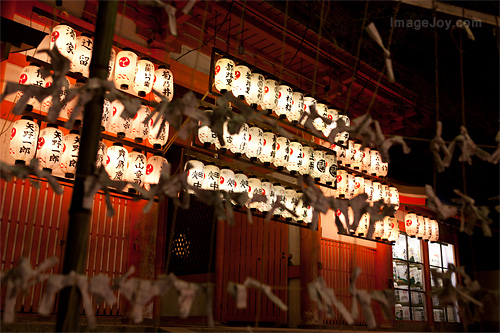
x: 211, y: 177
x: 270, y: 96
x: 366, y: 160
x: 422, y: 227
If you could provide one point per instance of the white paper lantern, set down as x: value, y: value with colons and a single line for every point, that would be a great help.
x: 62, y: 96
x: 205, y: 133
x: 163, y: 83
x: 69, y: 156
x: 342, y: 183
x: 341, y: 155
x: 226, y: 180
x: 357, y: 157
x: 269, y: 144
x: 31, y: 75
x: 50, y: 146
x: 139, y: 130
x: 342, y: 137
x: 386, y: 195
x: 351, y: 186
x: 295, y: 159
x: 359, y: 185
x: 377, y: 191
x: 297, y: 108
x: 282, y: 152
x: 255, y: 143
x: 427, y: 229
x: 228, y: 139
x: 117, y: 124
x: 254, y: 97
x: 268, y: 191
x: 364, y: 223
x: 307, y: 161
x: 349, y: 156
x: 366, y: 160
x: 158, y: 134
x: 254, y: 187
x: 111, y: 64
x: 270, y: 96
x: 330, y: 169
x: 333, y: 115
x: 434, y: 231
x: 125, y: 67
x: 102, y: 153
x: 309, y: 214
x: 420, y: 226
x: 280, y: 194
x: 136, y: 168
x: 212, y: 178
x: 196, y: 173
x: 23, y: 140
x: 224, y: 75
x: 393, y: 237
x: 240, y: 183
x: 378, y: 230
x: 240, y: 141
x: 300, y: 208
x: 411, y: 222
x: 318, y: 122
x: 241, y: 82
x: 116, y: 161
x: 70, y: 106
x: 387, y: 227
x: 106, y: 114
x: 308, y: 101
x: 369, y: 189
x: 340, y: 216
x: 376, y: 162
x: 290, y: 202
x: 154, y: 166
x: 394, y: 197
x: 319, y: 164
x: 284, y: 101
x: 144, y: 77
x: 384, y: 167
x: 83, y: 54
x: 63, y: 37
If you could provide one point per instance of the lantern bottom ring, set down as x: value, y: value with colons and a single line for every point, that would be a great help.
x: 69, y: 175
x: 138, y: 140
x: 282, y: 116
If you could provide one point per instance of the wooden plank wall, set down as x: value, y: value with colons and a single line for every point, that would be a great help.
x: 33, y: 225
x: 339, y: 260
x: 258, y: 250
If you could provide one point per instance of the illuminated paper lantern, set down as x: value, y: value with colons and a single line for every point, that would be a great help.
x: 47, y: 102
x: 62, y: 96
x: 117, y: 124
x: 290, y: 202
x: 224, y: 75
x: 279, y: 194
x: 378, y: 230
x: 331, y: 169
x: 211, y: 177
x: 366, y: 160
x: 136, y: 168
x: 386, y: 193
x: 307, y: 161
x: 309, y: 214
x: 63, y: 38
x: 308, y: 101
x: 357, y: 157
x: 69, y: 156
x: 369, y: 189
x: 318, y: 122
x: 319, y: 164
x: 254, y: 187
x: 387, y: 227
x: 297, y: 108
x: 359, y: 185
x: 139, y: 130
x: 333, y: 115
x: 282, y: 152
x: 111, y: 64
x: 394, y: 235
x: 70, y: 107
x: 270, y: 96
x: 205, y: 133
x: 284, y: 105
x: 106, y: 114
x: 269, y: 144
x: 241, y: 82
x: 49, y: 148
x: 268, y: 191
x: 300, y: 208
x: 228, y: 139
x: 342, y: 137
x: 427, y: 229
x: 351, y: 186
x: 240, y: 141
x: 341, y: 217
x: 125, y: 67
x: 349, y: 154
x: 384, y: 167
x: 363, y: 225
x: 163, y: 83
x: 342, y: 183
x: 376, y: 162
x: 23, y: 140
x: 196, y: 174
x: 158, y: 134
x: 83, y: 54
x: 420, y: 226
x: 116, y: 161
x: 240, y: 183
x: 411, y: 223
x: 31, y: 75
x: 254, y: 97
x: 144, y: 77
x: 154, y: 167
x: 295, y: 158
x: 102, y: 153
x: 255, y: 143
x: 394, y: 197
x: 341, y: 155
x: 377, y: 191
x: 226, y: 180
x: 434, y: 231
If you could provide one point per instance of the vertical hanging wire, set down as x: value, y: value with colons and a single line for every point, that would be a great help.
x: 436, y: 77
x: 321, y: 21
x: 283, y: 43
x: 462, y: 92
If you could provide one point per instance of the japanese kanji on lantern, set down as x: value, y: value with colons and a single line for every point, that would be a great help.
x: 300, y: 208
x: 290, y: 202
x: 212, y: 177
x: 270, y: 96
x: 319, y: 164
x: 240, y: 141
x: 224, y: 75
x: 106, y: 114
x: 47, y: 102
x: 434, y: 231
x: 394, y: 197
x: 102, y: 153
x: 297, y: 108
x: 279, y: 192
x: 196, y: 173
x: 369, y: 189
x: 69, y: 157
x: 63, y: 38
x: 342, y: 137
x: 349, y: 155
x: 241, y: 82
x: 116, y: 161
x: 205, y: 134
x: 23, y: 140
x: 411, y: 223
x: 377, y: 191
x: 378, y: 230
x: 394, y: 235
x: 359, y: 185
x: 254, y: 187
x: 111, y: 64
x: 125, y: 67
x: 342, y: 183
x: 333, y: 115
x: 64, y: 92
x: 163, y: 83
x: 83, y: 54
x: 268, y: 191
x: 427, y: 229
x: 117, y: 124
x: 376, y: 162
x: 282, y: 152
x: 31, y: 75
x: 227, y: 139
x: 226, y: 179
x: 158, y: 133
x: 385, y: 193
x: 284, y: 101
x: 240, y: 183
x: 363, y: 225
x: 154, y: 166
x: 420, y: 227
x: 295, y: 158
x: 255, y: 143
x: 318, y: 122
x: 144, y: 77
x: 139, y: 130
x: 351, y: 186
x: 50, y: 147
x: 358, y: 157
x: 69, y: 107
x: 136, y: 168
x: 269, y: 145
x: 307, y: 161
x: 254, y: 97
x: 330, y: 169
x: 387, y: 227
x: 308, y: 101
x: 366, y: 160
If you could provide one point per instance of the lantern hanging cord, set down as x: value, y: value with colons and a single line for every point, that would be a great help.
x: 436, y: 74
x: 202, y: 32
x: 321, y: 22
x: 283, y: 43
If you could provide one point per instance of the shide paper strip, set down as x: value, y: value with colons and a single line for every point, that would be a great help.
x: 438, y: 147
x: 239, y: 293
x: 470, y: 214
x: 252, y: 283
x: 24, y: 171
x: 433, y: 203
x: 100, y: 181
x: 468, y: 148
x: 373, y: 32
x: 326, y: 300
x: 364, y: 299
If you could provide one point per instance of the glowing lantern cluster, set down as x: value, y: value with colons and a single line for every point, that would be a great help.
x: 295, y: 158
x: 282, y: 152
x: 224, y: 75
x: 144, y: 77
x: 254, y: 187
x: 241, y: 82
x: 154, y: 167
x: 136, y: 168
x: 269, y: 148
x: 211, y: 177
x: 196, y: 173
x: 50, y: 147
x: 284, y: 101
x: 23, y: 140
x: 270, y: 96
x: 139, y: 130
x: 226, y: 180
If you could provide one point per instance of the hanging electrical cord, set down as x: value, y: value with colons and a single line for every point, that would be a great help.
x: 283, y: 43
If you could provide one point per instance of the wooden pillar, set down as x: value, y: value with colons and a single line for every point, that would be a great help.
x: 219, y: 269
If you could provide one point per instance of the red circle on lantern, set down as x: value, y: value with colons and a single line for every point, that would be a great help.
x: 266, y: 89
x: 114, y: 112
x: 235, y: 184
x: 64, y: 149
x: 124, y: 62
x: 408, y: 223
x: 217, y: 69
x: 291, y: 151
x: 249, y: 137
x: 12, y: 133
x: 263, y: 192
x: 41, y: 142
x: 339, y: 178
x: 237, y: 75
x: 149, y: 169
x: 357, y: 185
x: 23, y: 78
x: 221, y: 180
x: 48, y: 84
x: 338, y: 212
x: 277, y: 146
x: 330, y: 116
x: 392, y: 225
x: 264, y: 142
x: 55, y: 35
x: 108, y: 159
x: 249, y: 189
x: 279, y: 94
